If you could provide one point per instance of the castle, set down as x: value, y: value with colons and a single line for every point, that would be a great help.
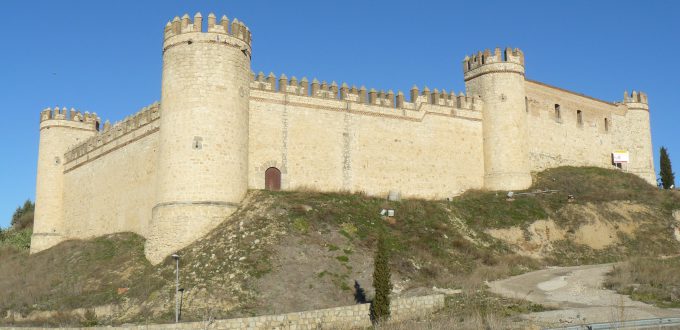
x: 177, y: 168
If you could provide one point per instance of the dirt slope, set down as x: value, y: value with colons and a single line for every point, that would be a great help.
x: 292, y: 251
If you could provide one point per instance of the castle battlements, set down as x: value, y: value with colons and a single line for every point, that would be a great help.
x: 362, y: 95
x: 637, y: 100
x: 173, y: 177
x: 65, y: 114
x: 185, y: 25
x: 509, y: 55
x: 113, y: 133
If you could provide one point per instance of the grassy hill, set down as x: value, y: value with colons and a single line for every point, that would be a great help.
x: 293, y: 251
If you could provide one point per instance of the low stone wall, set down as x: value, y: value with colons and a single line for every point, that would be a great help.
x: 345, y: 317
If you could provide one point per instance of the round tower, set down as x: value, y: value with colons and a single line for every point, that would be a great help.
x: 638, y: 134
x: 499, y: 79
x: 59, y: 130
x: 203, y: 142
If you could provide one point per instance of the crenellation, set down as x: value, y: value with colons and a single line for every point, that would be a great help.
x: 211, y: 21
x: 372, y: 96
x: 185, y: 24
x: 485, y: 57
x: 198, y: 22
x: 235, y: 28
x: 110, y: 133
x: 175, y: 177
x: 362, y: 95
x: 224, y: 23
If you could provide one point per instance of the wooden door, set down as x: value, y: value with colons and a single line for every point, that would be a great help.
x: 272, y: 179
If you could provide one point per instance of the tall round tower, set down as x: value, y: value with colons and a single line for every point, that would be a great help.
x: 499, y: 79
x: 203, y: 142
x: 638, y: 134
x: 59, y: 130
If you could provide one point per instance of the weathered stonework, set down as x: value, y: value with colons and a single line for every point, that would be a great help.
x: 177, y: 168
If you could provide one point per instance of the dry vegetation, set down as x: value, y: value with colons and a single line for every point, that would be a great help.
x: 652, y: 280
x: 293, y: 251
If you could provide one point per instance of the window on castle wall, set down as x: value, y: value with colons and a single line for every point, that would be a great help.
x: 558, y: 114
x: 606, y: 125
x: 526, y: 104
x: 579, y: 117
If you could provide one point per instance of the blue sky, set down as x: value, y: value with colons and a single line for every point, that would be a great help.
x: 105, y: 56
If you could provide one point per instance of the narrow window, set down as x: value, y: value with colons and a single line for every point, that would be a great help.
x: 526, y: 104
x: 558, y: 115
x: 579, y: 117
x: 606, y: 125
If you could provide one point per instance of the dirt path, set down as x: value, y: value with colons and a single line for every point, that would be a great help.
x: 578, y: 295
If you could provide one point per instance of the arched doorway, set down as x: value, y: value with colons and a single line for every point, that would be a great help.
x: 272, y: 179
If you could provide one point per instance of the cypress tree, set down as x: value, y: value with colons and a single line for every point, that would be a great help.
x: 666, y: 171
x: 380, y: 306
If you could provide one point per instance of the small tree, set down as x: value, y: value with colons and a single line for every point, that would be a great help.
x: 380, y: 306
x: 666, y: 171
x: 23, y: 216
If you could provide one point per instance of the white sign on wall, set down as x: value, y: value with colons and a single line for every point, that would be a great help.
x: 620, y: 156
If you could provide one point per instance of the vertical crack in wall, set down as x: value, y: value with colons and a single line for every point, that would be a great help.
x: 284, y: 138
x: 346, y: 151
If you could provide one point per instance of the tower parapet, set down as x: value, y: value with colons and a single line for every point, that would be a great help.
x: 509, y: 60
x: 186, y: 30
x: 637, y: 100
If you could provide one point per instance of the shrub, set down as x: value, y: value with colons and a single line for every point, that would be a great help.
x: 23, y: 216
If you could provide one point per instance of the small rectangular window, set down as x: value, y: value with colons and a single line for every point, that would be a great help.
x: 558, y: 114
x: 579, y: 117
x: 526, y: 104
x: 606, y: 125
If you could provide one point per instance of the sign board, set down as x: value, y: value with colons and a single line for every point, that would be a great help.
x: 620, y: 156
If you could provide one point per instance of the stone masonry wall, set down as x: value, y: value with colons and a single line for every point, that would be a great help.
x: 422, y: 150
x: 346, y: 317
x: 564, y: 141
x: 110, y: 179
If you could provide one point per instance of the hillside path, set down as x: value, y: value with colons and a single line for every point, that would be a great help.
x: 577, y: 294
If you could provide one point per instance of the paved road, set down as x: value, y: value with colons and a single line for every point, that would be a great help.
x: 578, y: 295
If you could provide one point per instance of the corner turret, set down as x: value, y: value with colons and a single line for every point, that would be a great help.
x: 60, y: 128
x: 498, y: 78
x: 638, y: 136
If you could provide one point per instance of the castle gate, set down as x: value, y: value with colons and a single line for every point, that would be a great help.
x: 272, y: 179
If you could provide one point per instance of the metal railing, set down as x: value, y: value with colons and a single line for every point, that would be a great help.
x: 632, y: 324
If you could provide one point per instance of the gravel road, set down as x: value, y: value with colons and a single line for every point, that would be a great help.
x: 577, y: 295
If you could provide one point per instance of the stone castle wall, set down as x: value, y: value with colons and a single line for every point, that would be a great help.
x: 337, y: 144
x: 173, y: 171
x: 564, y: 141
x: 110, y: 178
